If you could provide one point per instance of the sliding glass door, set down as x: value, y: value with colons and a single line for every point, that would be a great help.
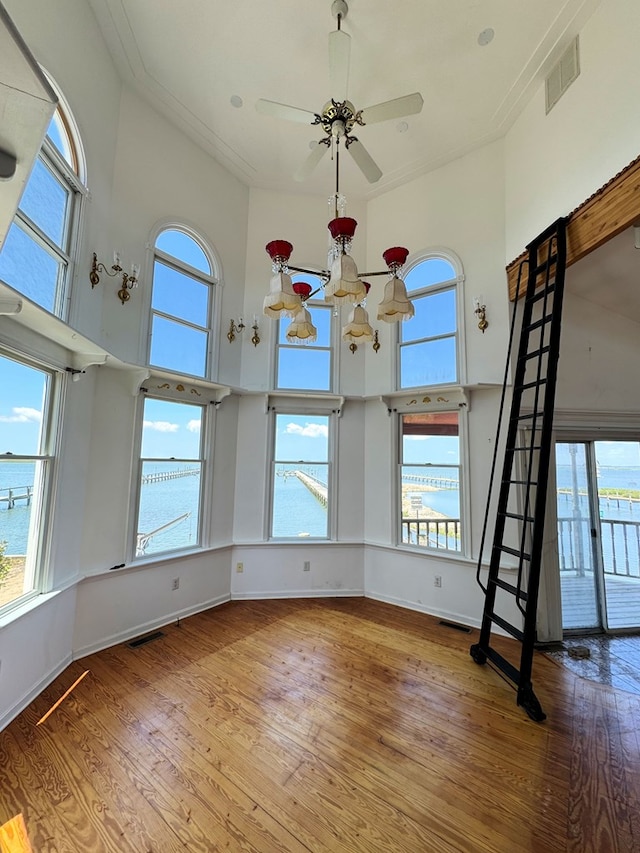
x: 598, y: 508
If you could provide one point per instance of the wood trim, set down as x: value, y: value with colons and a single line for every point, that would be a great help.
x: 13, y: 836
x: 609, y: 211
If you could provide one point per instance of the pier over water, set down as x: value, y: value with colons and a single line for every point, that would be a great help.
x: 316, y: 487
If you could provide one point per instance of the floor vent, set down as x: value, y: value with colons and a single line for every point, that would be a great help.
x: 562, y: 75
x: 455, y: 626
x: 141, y: 641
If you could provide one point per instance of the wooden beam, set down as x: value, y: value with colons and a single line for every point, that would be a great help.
x: 609, y: 211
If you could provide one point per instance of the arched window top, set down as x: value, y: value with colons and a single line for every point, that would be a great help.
x: 428, y: 272
x: 59, y: 136
x: 185, y: 248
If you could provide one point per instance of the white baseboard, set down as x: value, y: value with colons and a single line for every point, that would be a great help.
x: 35, y: 691
x: 297, y: 593
x: 145, y: 627
x: 459, y: 618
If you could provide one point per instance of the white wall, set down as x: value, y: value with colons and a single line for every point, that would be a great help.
x: 555, y: 162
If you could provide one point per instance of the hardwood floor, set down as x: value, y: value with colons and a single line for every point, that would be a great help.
x: 320, y: 725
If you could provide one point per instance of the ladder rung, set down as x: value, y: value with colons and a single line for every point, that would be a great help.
x: 509, y: 587
x: 517, y: 516
x: 537, y: 323
x: 503, y: 664
x: 508, y: 627
x: 522, y: 449
x: 543, y: 265
x: 514, y: 552
x: 541, y: 293
x: 522, y: 482
x: 529, y: 385
x: 529, y: 416
x: 535, y: 352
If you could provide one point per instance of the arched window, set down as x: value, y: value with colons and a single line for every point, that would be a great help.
x: 428, y: 343
x: 181, y: 303
x: 37, y: 253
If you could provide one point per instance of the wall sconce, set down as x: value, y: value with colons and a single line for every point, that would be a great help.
x: 233, y: 328
x: 129, y: 280
x: 237, y: 328
x: 481, y: 314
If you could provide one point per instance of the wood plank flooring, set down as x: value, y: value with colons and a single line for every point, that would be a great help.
x: 320, y: 725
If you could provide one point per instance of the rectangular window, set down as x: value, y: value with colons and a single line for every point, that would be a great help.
x: 305, y: 367
x: 300, y: 477
x: 35, y: 255
x: 428, y: 342
x: 171, y: 474
x: 430, y: 504
x: 180, y: 309
x: 26, y: 461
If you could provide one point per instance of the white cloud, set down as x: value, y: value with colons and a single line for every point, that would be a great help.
x: 22, y: 415
x: 193, y: 426
x: 161, y: 426
x: 308, y: 430
x: 418, y: 437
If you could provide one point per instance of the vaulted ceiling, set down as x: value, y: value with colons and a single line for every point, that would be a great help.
x: 194, y: 60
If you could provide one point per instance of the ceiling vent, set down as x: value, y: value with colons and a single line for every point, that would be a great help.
x: 563, y: 74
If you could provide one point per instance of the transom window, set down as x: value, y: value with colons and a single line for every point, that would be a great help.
x: 26, y: 462
x: 430, y: 505
x: 181, y: 304
x: 170, y: 477
x: 306, y: 366
x: 429, y: 340
x: 300, y: 477
x: 36, y: 255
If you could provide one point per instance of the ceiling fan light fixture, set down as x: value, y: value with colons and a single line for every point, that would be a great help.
x: 395, y: 305
x: 358, y: 327
x: 281, y: 301
x: 301, y: 329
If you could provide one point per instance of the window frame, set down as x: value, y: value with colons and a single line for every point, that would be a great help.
x: 455, y: 284
x: 38, y: 557
x: 289, y: 408
x: 65, y: 252
x: 205, y: 462
x: 463, y: 479
x: 213, y: 281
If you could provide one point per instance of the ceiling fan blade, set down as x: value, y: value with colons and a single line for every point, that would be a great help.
x: 339, y: 56
x: 311, y: 162
x: 364, y: 161
x: 273, y: 108
x: 397, y: 108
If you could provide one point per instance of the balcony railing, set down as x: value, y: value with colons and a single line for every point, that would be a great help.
x: 620, y: 546
x: 440, y: 533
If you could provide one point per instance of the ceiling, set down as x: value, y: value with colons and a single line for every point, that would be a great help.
x: 190, y: 59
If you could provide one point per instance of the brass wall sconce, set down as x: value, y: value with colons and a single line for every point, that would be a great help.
x: 129, y: 280
x: 481, y: 314
x: 236, y: 328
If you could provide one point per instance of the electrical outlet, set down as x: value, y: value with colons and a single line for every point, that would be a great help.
x: 307, y: 566
x: 437, y: 581
x: 239, y: 568
x: 175, y: 584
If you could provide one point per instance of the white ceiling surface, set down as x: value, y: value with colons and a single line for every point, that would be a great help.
x: 189, y: 58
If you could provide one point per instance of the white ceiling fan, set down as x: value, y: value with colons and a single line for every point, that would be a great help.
x: 338, y: 116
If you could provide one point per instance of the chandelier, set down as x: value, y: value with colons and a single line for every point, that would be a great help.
x: 341, y: 282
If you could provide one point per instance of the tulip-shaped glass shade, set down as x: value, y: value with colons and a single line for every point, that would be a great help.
x: 395, y: 304
x: 281, y: 301
x: 358, y: 327
x: 301, y: 330
x: 344, y: 284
